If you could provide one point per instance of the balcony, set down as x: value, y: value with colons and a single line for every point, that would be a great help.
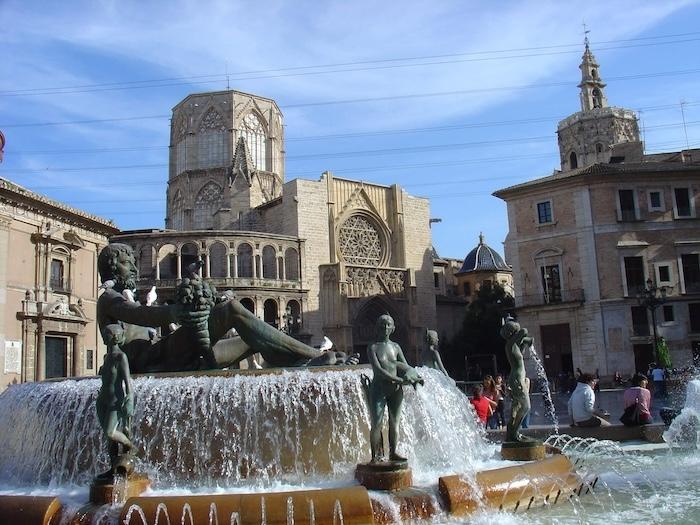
x: 571, y: 295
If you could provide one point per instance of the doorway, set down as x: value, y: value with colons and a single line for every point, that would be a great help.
x: 556, y: 349
x: 56, y: 363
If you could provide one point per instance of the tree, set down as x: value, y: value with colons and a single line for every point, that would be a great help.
x: 479, y: 333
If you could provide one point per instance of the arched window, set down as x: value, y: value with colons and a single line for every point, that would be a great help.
x: 211, y: 139
x: 188, y: 256
x: 167, y: 265
x: 573, y: 161
x: 291, y: 264
x: 269, y: 262
x: 177, y: 209
x: 147, y: 268
x: 217, y: 260
x: 293, y: 311
x: 270, y: 312
x: 599, y: 148
x: 207, y: 203
x: 248, y: 304
x: 245, y: 260
x: 256, y: 140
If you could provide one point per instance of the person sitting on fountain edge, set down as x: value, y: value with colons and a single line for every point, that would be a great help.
x: 581, y: 407
x: 176, y: 352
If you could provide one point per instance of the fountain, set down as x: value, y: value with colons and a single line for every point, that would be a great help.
x: 278, y: 445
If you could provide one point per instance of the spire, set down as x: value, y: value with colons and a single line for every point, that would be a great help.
x: 481, y: 238
x: 591, y: 86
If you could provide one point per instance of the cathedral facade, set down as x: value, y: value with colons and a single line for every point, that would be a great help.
x: 312, y: 257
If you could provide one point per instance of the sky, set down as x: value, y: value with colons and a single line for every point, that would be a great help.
x: 452, y: 100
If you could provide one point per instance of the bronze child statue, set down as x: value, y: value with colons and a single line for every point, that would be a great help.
x: 430, y: 356
x: 115, y: 402
x: 391, y: 372
x: 517, y: 340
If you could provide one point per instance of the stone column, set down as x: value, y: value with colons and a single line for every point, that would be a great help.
x: 179, y: 265
x: 228, y: 266
x: 40, y: 363
x: 235, y: 264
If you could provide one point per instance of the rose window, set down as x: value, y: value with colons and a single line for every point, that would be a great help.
x: 359, y: 242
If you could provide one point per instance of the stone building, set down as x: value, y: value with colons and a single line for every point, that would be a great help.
x: 48, y: 287
x: 316, y: 257
x: 584, y: 241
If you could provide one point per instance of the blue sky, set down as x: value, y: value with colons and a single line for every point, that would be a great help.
x: 450, y: 99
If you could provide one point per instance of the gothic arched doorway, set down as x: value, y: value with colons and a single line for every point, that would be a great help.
x: 363, y: 325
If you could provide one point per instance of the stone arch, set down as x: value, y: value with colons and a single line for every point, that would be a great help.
x: 293, y: 309
x: 207, y: 202
x: 363, y: 240
x: 573, y: 160
x: 189, y: 254
x: 269, y: 262
x: 218, y: 260
x: 291, y: 264
x: 167, y: 261
x: 270, y: 312
x: 245, y: 260
x: 146, y: 261
x: 248, y: 304
x: 363, y: 331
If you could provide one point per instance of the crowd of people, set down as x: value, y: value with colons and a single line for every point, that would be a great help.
x: 488, y: 400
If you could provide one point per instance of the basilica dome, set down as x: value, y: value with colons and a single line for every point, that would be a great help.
x: 483, y: 258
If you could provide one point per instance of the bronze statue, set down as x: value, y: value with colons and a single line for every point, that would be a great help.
x: 115, y: 402
x: 186, y: 347
x: 517, y: 339
x: 391, y: 372
x: 430, y: 356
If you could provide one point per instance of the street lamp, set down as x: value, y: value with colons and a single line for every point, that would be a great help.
x: 651, y: 298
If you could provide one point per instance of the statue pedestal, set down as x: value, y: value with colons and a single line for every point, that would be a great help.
x: 523, y: 450
x: 111, y: 490
x: 384, y: 475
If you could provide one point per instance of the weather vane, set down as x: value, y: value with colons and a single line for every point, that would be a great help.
x: 585, y: 33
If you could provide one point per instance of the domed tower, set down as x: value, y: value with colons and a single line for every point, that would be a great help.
x: 595, y: 134
x: 226, y: 158
x: 483, y: 265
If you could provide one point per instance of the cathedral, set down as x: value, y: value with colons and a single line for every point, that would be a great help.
x: 315, y: 258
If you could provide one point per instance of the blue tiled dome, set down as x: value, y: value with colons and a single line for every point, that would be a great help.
x: 483, y: 258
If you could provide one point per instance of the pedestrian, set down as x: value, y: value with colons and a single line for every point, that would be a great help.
x: 482, y: 406
x: 490, y: 392
x: 658, y: 375
x: 500, y: 401
x: 637, y: 403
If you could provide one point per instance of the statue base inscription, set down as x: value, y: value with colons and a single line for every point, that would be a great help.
x: 384, y: 475
x: 523, y: 451
x: 110, y: 490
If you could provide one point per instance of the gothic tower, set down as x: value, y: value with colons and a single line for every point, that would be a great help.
x: 226, y: 158
x: 598, y: 133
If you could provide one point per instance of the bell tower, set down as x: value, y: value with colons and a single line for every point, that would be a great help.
x: 599, y: 133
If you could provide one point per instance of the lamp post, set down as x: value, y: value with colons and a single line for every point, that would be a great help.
x: 652, y: 297
x: 288, y: 320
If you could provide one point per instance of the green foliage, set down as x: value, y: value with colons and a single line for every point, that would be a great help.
x: 479, y: 331
x: 662, y: 353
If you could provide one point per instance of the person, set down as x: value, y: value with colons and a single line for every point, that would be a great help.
x: 176, y: 352
x: 659, y: 377
x: 482, y: 405
x: 490, y: 392
x: 500, y: 401
x: 115, y: 399
x: 637, y: 403
x: 581, y: 407
x: 391, y: 372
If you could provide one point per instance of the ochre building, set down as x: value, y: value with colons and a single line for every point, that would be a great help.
x: 589, y: 243
x: 48, y: 287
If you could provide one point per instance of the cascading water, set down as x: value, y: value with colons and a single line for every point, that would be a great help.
x: 684, y: 431
x: 546, y: 392
x: 301, y: 427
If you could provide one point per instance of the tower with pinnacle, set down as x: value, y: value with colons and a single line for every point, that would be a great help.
x: 598, y: 133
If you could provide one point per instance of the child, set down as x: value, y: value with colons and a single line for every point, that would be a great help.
x: 481, y: 405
